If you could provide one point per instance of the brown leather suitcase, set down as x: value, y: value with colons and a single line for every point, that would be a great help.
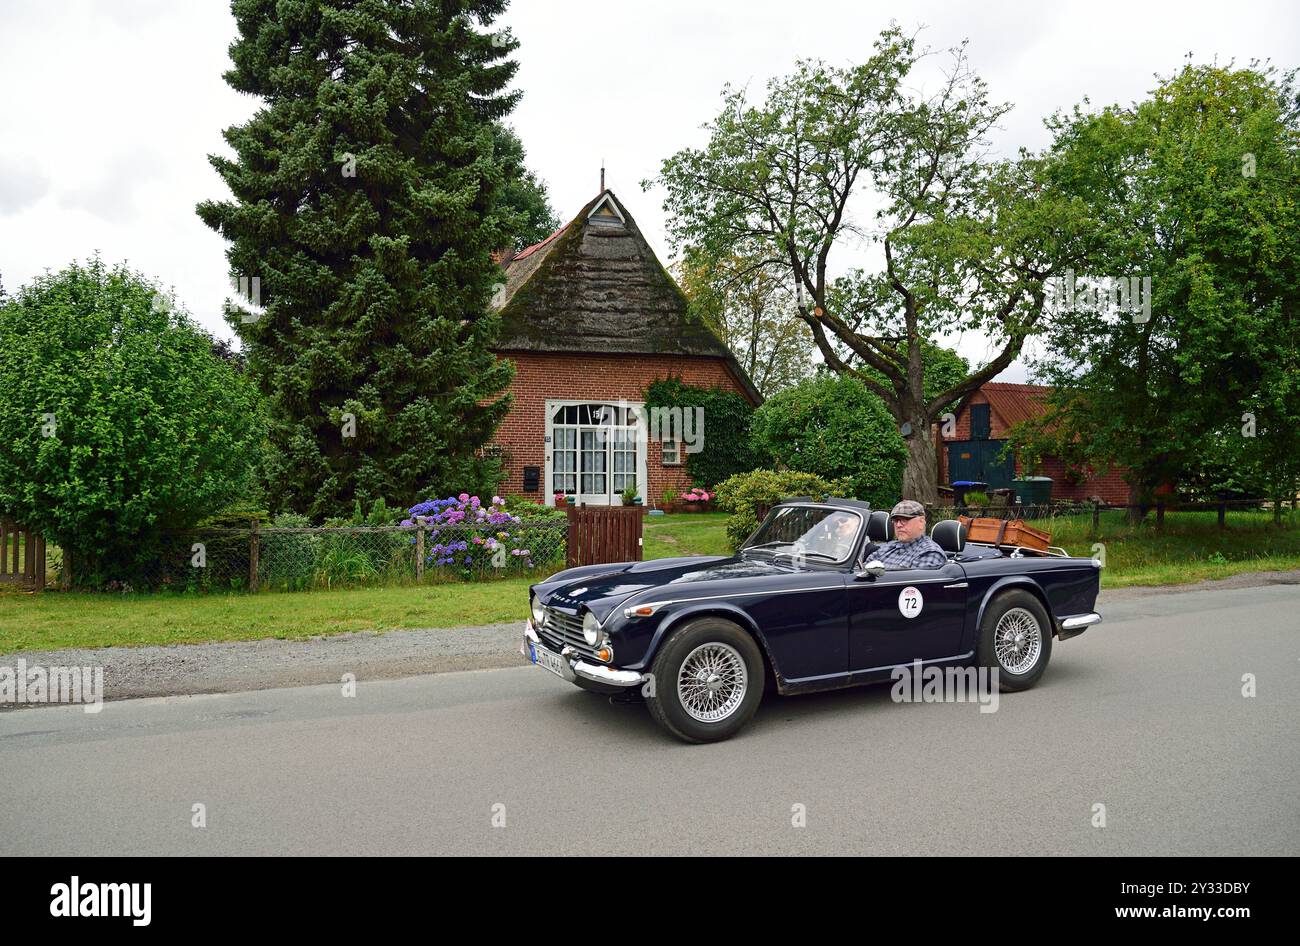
x: 1005, y: 532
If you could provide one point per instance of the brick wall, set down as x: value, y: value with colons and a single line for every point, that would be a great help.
x: 543, y: 375
x: 1109, y: 486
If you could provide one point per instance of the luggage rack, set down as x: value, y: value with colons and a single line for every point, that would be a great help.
x: 1020, y: 551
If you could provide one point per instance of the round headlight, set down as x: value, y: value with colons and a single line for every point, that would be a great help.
x: 539, y: 613
x: 590, y: 629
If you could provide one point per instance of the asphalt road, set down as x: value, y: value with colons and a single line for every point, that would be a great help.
x: 1143, y: 714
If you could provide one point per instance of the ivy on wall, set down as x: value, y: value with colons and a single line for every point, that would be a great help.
x: 725, y: 443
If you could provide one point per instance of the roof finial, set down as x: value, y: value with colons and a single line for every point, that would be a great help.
x: 602, y: 175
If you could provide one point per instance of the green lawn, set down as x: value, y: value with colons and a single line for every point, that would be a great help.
x: 54, y: 619
x: 1192, y: 548
x: 687, y: 533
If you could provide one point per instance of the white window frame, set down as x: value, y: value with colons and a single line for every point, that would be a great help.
x: 609, y: 497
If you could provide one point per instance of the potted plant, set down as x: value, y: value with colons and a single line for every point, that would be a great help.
x: 697, y: 500
x: 629, y: 495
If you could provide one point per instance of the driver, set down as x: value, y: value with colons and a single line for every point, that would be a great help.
x: 911, y: 547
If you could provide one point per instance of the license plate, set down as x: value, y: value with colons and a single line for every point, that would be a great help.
x: 552, y: 662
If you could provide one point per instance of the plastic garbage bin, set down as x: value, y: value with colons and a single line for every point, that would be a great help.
x: 961, y: 487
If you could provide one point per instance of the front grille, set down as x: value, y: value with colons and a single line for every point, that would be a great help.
x: 562, y: 628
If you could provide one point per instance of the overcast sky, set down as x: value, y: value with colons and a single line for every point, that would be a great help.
x: 108, y: 108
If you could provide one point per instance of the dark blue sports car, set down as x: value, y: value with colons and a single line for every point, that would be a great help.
x: 802, y: 607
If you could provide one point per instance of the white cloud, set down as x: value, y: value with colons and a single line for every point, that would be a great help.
x: 22, y: 183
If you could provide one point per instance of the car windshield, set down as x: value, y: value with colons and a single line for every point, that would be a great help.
x: 812, y: 532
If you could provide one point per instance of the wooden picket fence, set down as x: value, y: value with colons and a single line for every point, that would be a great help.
x: 22, y: 555
x: 602, y: 534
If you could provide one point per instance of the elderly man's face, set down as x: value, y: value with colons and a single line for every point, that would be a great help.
x: 905, y: 530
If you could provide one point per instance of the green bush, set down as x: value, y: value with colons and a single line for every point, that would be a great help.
x: 529, y: 509
x: 834, y: 427
x: 117, y: 422
x: 748, y: 496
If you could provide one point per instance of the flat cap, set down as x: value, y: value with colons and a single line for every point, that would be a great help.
x: 908, y: 508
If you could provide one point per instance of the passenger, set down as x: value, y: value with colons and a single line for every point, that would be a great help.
x: 911, y: 547
x: 840, y: 533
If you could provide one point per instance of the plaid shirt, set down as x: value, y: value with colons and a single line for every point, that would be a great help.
x: 921, y: 552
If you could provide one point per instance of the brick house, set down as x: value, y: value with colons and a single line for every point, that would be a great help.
x: 590, y: 318
x: 973, y: 452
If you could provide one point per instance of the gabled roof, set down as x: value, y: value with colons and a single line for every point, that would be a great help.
x: 595, y: 285
x: 1016, y: 402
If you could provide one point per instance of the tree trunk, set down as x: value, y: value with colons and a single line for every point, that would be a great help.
x: 919, y: 476
x: 1136, y: 511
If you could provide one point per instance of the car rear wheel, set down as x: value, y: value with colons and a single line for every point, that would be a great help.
x: 1015, y: 639
x: 708, y: 681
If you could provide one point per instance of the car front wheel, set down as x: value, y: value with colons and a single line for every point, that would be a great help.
x: 708, y: 681
x: 1015, y: 639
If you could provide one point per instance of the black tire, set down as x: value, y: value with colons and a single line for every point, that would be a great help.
x: 666, y: 702
x: 1012, y: 676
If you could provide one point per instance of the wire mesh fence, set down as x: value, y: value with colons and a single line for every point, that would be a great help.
x: 1074, y: 507
x: 298, y: 559
x: 1226, y: 511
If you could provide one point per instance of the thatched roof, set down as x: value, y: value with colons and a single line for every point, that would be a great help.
x: 595, y: 285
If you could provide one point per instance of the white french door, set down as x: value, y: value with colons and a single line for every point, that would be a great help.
x: 595, y: 450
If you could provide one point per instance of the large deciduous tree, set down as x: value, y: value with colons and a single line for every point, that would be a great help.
x: 369, y: 193
x: 1197, y: 185
x: 753, y: 311
x: 833, y: 157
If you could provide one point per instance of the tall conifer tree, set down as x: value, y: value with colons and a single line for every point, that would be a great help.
x: 367, y: 202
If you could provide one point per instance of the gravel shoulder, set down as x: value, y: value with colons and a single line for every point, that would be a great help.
x: 186, y: 669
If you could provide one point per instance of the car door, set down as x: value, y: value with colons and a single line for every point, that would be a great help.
x: 905, y: 615
x: 806, y: 626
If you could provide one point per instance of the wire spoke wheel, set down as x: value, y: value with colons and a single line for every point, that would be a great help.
x: 712, y: 682
x: 1018, y: 641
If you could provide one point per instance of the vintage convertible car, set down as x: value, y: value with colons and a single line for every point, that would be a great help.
x: 802, y: 607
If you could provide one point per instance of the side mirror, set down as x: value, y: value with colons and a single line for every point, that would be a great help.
x: 869, y: 572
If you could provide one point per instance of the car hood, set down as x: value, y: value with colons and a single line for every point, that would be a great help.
x: 603, y: 591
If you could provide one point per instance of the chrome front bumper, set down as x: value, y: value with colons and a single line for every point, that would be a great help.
x: 573, y: 668
x: 1076, y: 624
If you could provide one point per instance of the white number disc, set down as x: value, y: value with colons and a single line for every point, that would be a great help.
x: 910, y: 601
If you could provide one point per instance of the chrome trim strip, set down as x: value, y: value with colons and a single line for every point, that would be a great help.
x: 924, y: 663
x: 960, y: 584
x: 849, y: 673
x: 1080, y: 620
x: 743, y: 594
x: 896, y: 584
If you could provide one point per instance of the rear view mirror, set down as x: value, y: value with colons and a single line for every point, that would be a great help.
x: 870, y: 571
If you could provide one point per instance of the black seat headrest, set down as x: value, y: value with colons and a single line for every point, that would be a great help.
x: 950, y: 535
x: 879, y: 527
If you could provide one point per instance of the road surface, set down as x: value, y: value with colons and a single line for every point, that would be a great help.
x: 1143, y: 714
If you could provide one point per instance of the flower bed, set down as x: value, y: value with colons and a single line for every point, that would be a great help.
x: 467, y: 537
